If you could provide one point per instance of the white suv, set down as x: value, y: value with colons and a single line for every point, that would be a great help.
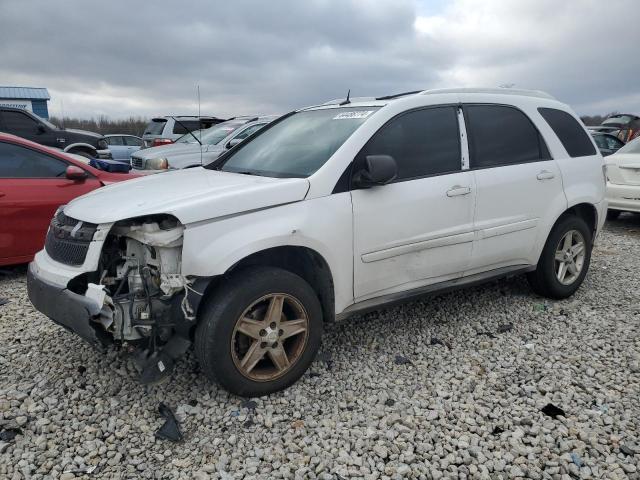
x: 327, y: 212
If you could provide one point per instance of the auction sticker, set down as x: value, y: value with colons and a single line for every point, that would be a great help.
x: 353, y: 115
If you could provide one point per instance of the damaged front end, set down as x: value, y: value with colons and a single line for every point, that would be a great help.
x: 146, y: 301
x: 136, y: 297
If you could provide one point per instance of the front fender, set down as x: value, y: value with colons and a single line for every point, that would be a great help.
x: 323, y: 225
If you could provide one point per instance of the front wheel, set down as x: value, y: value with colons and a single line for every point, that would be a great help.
x: 259, y: 332
x: 565, y: 259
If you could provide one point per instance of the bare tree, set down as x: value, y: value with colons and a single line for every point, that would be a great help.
x: 104, y: 125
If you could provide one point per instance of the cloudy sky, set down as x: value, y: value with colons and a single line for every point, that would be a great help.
x: 122, y: 58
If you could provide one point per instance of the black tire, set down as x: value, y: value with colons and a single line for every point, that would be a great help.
x: 544, y: 280
x: 221, y: 311
x: 613, y: 214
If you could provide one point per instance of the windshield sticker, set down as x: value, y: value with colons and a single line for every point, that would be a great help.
x: 353, y: 115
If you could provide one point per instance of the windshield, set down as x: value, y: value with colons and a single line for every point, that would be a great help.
x: 298, y: 145
x: 188, y: 138
x: 49, y: 124
x: 632, y: 147
x: 620, y: 120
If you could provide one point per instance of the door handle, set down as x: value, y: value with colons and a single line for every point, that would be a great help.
x: 545, y: 175
x: 458, y: 190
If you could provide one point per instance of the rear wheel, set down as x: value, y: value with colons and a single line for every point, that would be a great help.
x: 565, y: 259
x: 259, y: 332
x: 613, y: 214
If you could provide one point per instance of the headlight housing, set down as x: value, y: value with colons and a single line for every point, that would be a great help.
x: 102, y: 144
x: 157, y: 164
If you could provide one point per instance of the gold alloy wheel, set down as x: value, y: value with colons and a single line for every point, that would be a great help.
x: 269, y: 337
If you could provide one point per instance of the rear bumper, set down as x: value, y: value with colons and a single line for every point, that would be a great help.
x: 623, y: 197
x: 70, y: 310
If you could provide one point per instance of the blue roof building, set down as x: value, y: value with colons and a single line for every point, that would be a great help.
x: 29, y: 98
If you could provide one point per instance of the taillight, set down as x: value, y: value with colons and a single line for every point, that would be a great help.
x: 161, y: 141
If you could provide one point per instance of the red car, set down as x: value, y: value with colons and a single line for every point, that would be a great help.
x: 34, y: 181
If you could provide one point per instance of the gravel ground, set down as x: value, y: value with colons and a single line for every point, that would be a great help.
x: 450, y: 387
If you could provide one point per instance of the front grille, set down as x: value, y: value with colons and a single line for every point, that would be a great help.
x: 137, y: 162
x: 68, y: 239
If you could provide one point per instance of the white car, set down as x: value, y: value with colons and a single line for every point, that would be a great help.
x: 327, y: 212
x: 623, y: 180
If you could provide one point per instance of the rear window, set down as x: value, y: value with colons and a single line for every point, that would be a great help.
x: 155, y: 127
x: 186, y: 126
x: 573, y: 136
x: 618, y: 120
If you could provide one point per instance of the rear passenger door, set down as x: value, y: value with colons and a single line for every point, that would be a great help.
x: 417, y: 230
x: 517, y: 183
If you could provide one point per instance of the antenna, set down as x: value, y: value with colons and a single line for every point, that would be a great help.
x: 62, y: 112
x: 200, y: 129
x: 347, y: 101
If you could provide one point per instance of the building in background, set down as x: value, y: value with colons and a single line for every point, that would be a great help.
x: 29, y: 98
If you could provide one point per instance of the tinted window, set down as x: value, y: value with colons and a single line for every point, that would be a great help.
x: 186, y: 126
x: 423, y: 142
x: 132, y: 141
x: 572, y: 135
x: 500, y: 135
x: 19, y: 123
x: 114, y: 140
x: 155, y: 127
x: 21, y: 162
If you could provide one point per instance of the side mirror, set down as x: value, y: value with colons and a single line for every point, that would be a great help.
x: 40, y: 129
x: 75, y: 173
x: 378, y: 170
x: 233, y: 142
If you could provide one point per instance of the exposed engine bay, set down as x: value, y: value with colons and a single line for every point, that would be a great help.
x: 146, y: 302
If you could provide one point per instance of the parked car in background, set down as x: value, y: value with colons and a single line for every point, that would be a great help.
x: 201, y: 148
x: 623, y: 180
x: 166, y: 130
x: 34, y: 182
x: 607, y: 143
x: 327, y: 212
x: 627, y: 125
x: 122, y: 146
x: 25, y: 124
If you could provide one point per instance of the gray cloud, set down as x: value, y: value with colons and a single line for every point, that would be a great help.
x: 121, y: 58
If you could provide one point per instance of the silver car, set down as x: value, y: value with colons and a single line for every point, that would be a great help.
x: 166, y: 130
x: 200, y: 147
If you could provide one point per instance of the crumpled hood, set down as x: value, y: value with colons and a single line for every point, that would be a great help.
x: 191, y: 195
x: 83, y: 132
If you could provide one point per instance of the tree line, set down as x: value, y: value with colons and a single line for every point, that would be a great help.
x: 104, y: 125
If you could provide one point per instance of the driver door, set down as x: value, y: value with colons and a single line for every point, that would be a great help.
x: 417, y: 230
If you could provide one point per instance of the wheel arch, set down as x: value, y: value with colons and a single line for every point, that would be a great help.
x: 586, y: 211
x: 303, y: 261
x: 81, y: 146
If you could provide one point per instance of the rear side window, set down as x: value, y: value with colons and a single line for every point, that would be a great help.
x: 132, y: 141
x: 572, y: 135
x: 423, y: 142
x: 155, y: 127
x: 21, y: 162
x: 114, y: 141
x: 502, y: 135
x: 19, y: 123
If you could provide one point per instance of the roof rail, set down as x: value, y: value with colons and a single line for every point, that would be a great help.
x: 497, y: 91
x: 398, y: 95
x: 337, y: 101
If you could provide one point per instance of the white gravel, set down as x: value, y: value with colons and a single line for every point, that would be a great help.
x: 416, y: 391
